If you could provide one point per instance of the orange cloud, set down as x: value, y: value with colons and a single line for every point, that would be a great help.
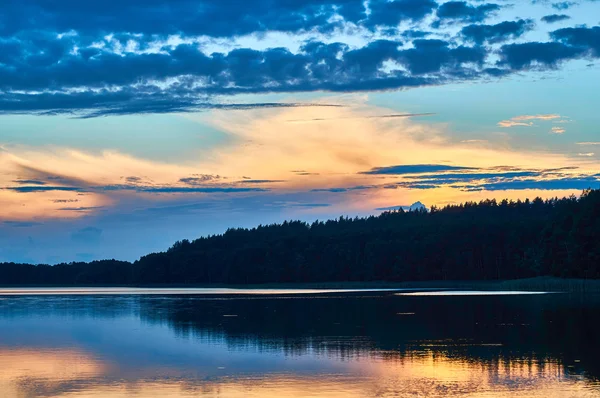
x: 263, y: 157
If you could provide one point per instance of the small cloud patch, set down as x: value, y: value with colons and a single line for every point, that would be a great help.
x: 526, y: 120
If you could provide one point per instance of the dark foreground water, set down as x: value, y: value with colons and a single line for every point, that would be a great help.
x: 275, y: 344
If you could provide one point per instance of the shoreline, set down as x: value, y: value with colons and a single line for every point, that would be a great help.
x: 529, y: 284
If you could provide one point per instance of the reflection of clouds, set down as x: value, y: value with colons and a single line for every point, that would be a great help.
x: 29, y: 372
x: 63, y: 373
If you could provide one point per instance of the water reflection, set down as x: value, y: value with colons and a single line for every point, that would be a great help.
x: 319, y: 346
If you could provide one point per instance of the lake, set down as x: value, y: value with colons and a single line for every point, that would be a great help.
x: 296, y: 343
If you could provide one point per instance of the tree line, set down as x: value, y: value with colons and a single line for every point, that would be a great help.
x: 486, y: 240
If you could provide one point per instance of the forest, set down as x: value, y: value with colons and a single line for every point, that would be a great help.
x: 486, y: 240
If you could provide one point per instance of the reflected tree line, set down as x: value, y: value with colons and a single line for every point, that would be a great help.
x: 492, y: 330
x: 487, y: 240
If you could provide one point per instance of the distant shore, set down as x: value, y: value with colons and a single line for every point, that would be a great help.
x: 546, y: 284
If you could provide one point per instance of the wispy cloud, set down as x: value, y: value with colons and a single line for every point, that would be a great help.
x: 588, y: 143
x: 21, y: 224
x: 526, y: 120
x: 557, y: 130
x: 413, y: 169
x: 391, y: 116
x: 587, y: 154
x: 349, y: 164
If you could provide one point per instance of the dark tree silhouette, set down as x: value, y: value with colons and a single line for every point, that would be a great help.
x: 488, y: 240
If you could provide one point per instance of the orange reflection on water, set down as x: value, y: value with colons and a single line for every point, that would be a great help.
x: 30, y: 373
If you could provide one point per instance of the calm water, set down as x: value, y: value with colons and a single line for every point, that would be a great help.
x: 279, y: 344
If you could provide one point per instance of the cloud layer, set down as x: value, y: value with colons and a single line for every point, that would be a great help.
x: 186, y: 55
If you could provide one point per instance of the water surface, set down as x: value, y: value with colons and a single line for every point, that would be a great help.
x: 313, y: 344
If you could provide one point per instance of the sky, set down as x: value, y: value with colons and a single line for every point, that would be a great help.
x: 128, y: 125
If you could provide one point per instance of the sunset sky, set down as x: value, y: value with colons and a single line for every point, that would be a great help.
x: 127, y: 125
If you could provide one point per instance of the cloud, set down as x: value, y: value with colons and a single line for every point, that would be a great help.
x: 30, y: 182
x: 391, y: 13
x: 474, y: 141
x: 563, y: 5
x: 463, y: 12
x: 21, y: 224
x: 557, y: 130
x: 136, y: 188
x: 513, y: 123
x: 82, y: 208
x: 458, y: 177
x: 553, y: 18
x: 250, y: 181
x: 500, y: 32
x: 588, y: 143
x: 583, y: 38
x: 353, y: 164
x: 90, y: 61
x: 91, y: 103
x: 344, y: 189
x: 413, y: 169
x: 524, y: 56
x: 178, y: 189
x: 550, y: 184
x: 391, y: 116
x: 199, y: 179
x: 587, y: 154
x: 47, y: 188
x: 525, y: 120
x: 162, y: 17
x: 310, y: 205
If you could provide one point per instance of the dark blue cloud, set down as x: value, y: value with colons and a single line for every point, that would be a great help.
x: 136, y: 188
x: 569, y: 43
x: 563, y: 5
x: 309, y: 205
x: 222, y: 18
x: 346, y: 189
x: 21, y: 224
x: 48, y: 65
x: 170, y: 189
x: 496, y: 33
x: 250, y: 181
x: 391, y: 13
x: 46, y: 188
x: 555, y: 18
x: 457, y: 177
x: 551, y: 184
x: 430, y: 56
x: 582, y: 38
x: 463, y: 12
x: 413, y: 169
x: 415, y: 34
x: 525, y: 55
x: 30, y: 182
x: 318, y: 66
